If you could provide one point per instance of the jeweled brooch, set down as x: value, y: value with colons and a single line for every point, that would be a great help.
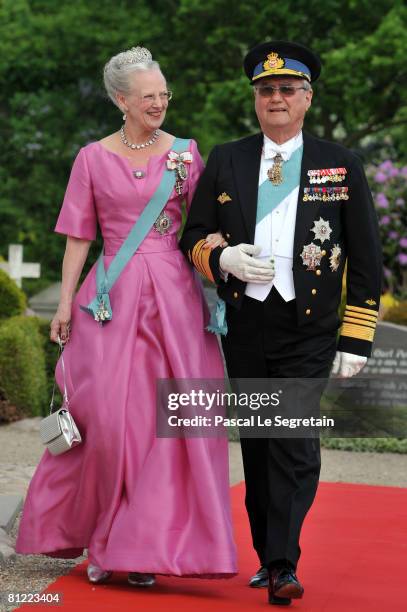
x: 163, y: 223
x: 177, y: 161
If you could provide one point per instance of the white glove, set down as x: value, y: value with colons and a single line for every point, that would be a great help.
x: 346, y: 365
x: 238, y: 261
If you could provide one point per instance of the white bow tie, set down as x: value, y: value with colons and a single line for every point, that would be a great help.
x: 270, y: 153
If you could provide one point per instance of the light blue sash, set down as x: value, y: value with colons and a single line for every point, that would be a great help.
x: 100, y: 308
x: 269, y: 197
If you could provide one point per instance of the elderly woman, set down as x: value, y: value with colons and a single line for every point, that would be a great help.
x: 138, y: 503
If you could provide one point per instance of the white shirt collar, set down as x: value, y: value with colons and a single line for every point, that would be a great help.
x: 271, y: 148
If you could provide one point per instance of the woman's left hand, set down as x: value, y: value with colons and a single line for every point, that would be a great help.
x: 215, y: 240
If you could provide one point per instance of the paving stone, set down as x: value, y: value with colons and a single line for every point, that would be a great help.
x: 10, y: 506
x: 28, y: 425
x: 5, y: 538
x: 6, y: 554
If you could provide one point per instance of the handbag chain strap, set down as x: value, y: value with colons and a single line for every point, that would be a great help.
x: 65, y: 395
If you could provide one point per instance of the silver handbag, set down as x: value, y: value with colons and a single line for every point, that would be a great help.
x: 58, y: 431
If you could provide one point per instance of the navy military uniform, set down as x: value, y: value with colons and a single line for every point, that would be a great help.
x: 233, y: 170
x: 295, y: 338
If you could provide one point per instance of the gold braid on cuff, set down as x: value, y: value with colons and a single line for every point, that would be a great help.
x: 200, y: 259
x: 359, y: 323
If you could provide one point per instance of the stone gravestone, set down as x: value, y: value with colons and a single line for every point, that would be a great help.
x: 374, y: 403
x: 385, y: 375
x: 389, y: 355
x: 45, y: 303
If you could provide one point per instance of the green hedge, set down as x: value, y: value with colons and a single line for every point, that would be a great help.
x: 374, y: 445
x: 358, y: 445
x: 12, y: 300
x: 22, y: 365
x: 51, y: 351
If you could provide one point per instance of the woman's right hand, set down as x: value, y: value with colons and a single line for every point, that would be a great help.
x: 60, y: 324
x: 214, y: 240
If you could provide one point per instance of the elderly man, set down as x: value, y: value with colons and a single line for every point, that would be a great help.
x: 293, y: 209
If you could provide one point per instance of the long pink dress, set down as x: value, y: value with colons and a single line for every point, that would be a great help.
x: 135, y: 501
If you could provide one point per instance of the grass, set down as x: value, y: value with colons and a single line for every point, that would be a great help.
x: 363, y: 445
x: 357, y: 445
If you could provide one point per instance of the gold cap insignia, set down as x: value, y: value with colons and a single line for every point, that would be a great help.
x: 273, y: 62
x: 370, y: 302
x: 224, y: 197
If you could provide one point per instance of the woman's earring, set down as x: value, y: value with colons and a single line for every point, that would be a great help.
x: 124, y: 117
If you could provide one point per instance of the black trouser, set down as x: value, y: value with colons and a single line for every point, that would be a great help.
x: 264, y: 341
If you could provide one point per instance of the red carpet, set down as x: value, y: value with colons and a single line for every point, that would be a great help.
x: 354, y: 543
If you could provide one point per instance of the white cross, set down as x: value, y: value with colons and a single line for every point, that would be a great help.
x: 15, y: 267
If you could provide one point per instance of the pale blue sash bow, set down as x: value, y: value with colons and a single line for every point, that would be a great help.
x: 100, y: 308
x: 269, y: 197
x: 217, y: 324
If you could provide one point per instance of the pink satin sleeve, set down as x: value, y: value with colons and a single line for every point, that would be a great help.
x: 77, y: 217
x: 195, y: 170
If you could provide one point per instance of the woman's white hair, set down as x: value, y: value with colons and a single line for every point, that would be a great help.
x: 119, y: 68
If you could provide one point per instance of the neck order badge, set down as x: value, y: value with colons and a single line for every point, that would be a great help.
x: 275, y: 173
x: 272, y: 194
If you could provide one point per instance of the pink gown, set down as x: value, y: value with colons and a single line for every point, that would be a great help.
x: 135, y: 501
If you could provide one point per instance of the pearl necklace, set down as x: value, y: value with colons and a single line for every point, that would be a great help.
x: 131, y: 145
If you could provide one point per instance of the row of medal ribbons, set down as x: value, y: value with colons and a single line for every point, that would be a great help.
x: 325, y: 194
x: 325, y: 175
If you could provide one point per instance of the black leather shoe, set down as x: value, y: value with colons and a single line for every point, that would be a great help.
x: 283, y: 586
x: 261, y: 579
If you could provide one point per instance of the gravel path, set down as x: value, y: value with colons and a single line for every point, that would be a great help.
x: 20, y: 451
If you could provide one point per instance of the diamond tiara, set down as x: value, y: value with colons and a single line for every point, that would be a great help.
x: 135, y: 55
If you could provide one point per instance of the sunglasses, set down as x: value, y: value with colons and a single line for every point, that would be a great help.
x: 266, y: 91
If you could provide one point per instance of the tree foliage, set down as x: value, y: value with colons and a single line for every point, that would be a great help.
x: 52, y: 101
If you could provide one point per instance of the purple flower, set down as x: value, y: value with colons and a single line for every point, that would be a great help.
x: 400, y: 202
x: 403, y: 171
x: 386, y: 165
x: 402, y: 259
x: 394, y: 172
x: 380, y: 177
x: 403, y: 243
x: 393, y: 235
x: 387, y: 272
x: 384, y: 220
x: 382, y: 201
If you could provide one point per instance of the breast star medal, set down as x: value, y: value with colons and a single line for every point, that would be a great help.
x: 311, y: 256
x: 322, y: 230
x: 275, y: 173
x: 335, y: 257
